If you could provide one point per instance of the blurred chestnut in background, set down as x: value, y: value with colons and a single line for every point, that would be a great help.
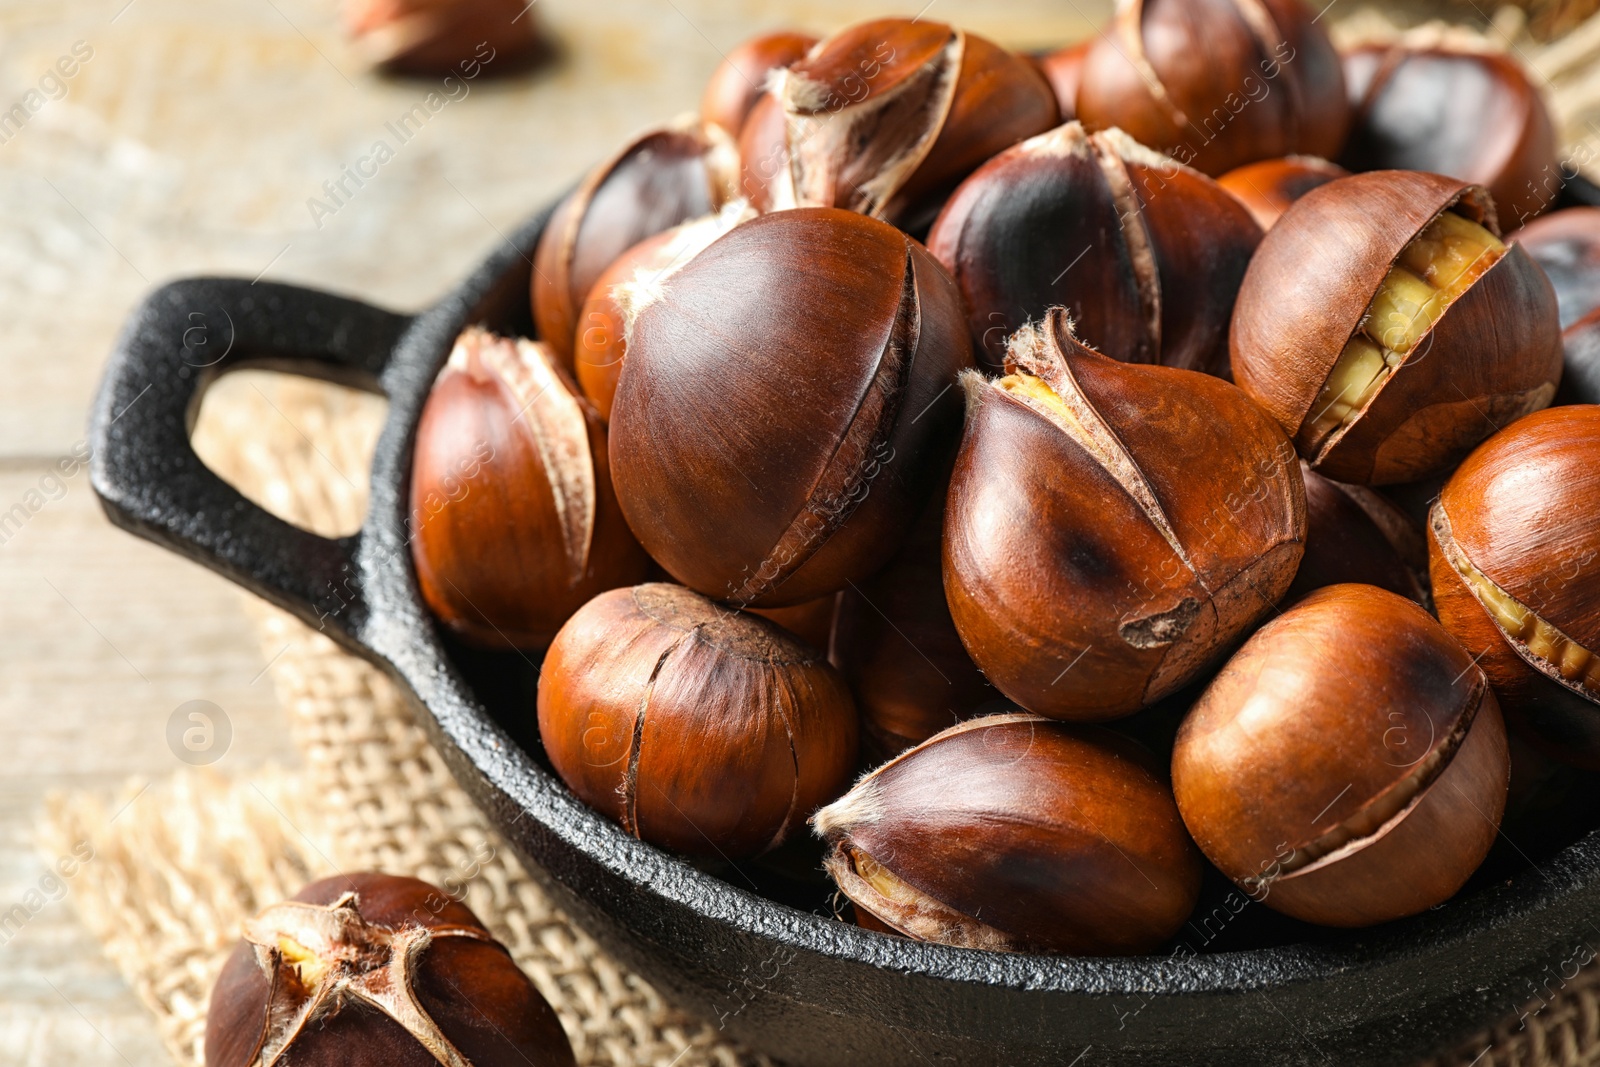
x: 660, y: 179
x: 741, y: 77
x: 514, y: 522
x: 1580, y: 375
x: 787, y: 405
x: 1019, y: 834
x: 371, y: 969
x: 885, y: 117
x: 443, y: 37
x: 601, y: 346
x: 1567, y: 245
x: 1112, y: 527
x: 1456, y: 109
x: 898, y: 648
x: 1349, y: 765
x: 1063, y: 69
x: 1355, y: 535
x: 1515, y: 552
x: 1388, y: 330
x: 1217, y: 83
x: 1267, y: 188
x: 1146, y: 254
x: 697, y: 728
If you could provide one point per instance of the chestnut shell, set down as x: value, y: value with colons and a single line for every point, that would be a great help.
x: 1267, y: 188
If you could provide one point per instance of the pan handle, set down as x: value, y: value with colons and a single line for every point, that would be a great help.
x: 146, y: 472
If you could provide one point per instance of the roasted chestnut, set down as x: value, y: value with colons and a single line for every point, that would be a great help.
x: 514, y: 524
x: 787, y: 404
x: 1217, y: 84
x: 1580, y: 374
x: 1112, y: 527
x: 1267, y: 188
x: 1515, y: 551
x: 660, y: 179
x: 1567, y: 245
x: 1063, y: 69
x: 1451, y: 107
x: 700, y: 729
x: 885, y: 117
x: 1353, y: 534
x: 373, y: 969
x: 1388, y: 329
x: 601, y: 346
x: 1349, y: 764
x: 1146, y: 254
x: 741, y: 77
x: 1016, y: 833
x: 443, y: 37
x: 898, y: 648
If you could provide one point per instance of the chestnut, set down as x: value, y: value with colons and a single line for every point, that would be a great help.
x: 1388, y: 329
x: 1567, y: 245
x: 1019, y: 834
x: 1453, y: 108
x: 372, y: 969
x: 885, y: 117
x: 1267, y: 188
x: 600, y: 344
x: 422, y: 38
x: 1145, y: 253
x: 738, y: 82
x: 1355, y: 535
x: 787, y: 403
x: 1349, y: 765
x: 1111, y: 527
x: 1514, y: 543
x: 661, y: 178
x: 1217, y: 84
x: 1063, y: 69
x: 1580, y: 375
x: 697, y: 728
x: 514, y: 522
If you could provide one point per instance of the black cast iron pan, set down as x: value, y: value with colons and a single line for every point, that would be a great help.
x: 796, y: 983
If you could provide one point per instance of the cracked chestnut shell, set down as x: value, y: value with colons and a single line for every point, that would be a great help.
x: 369, y: 969
x: 661, y: 178
x: 1267, y: 188
x: 1016, y: 833
x: 1353, y: 534
x: 1451, y: 107
x: 1388, y: 330
x: 1112, y: 527
x: 513, y: 520
x: 697, y: 728
x: 1217, y: 83
x: 788, y: 401
x: 1146, y: 254
x: 885, y: 117
x: 1349, y: 765
x: 1514, y: 544
x: 741, y: 77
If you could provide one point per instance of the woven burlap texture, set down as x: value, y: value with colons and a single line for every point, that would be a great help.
x: 181, y: 861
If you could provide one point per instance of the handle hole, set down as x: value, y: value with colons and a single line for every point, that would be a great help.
x: 299, y: 448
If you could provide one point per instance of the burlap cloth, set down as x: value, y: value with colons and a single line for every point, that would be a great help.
x: 182, y: 860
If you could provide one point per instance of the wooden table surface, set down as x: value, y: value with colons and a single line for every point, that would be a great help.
x: 189, y: 141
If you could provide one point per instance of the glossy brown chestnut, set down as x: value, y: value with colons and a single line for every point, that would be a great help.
x: 885, y: 117
x: 1063, y: 69
x: 1515, y: 551
x: 1112, y: 527
x: 1146, y: 254
x: 1349, y: 765
x: 741, y: 77
x: 1355, y: 535
x: 1016, y: 833
x: 1217, y: 84
x: 601, y: 346
x: 660, y: 179
x: 898, y: 648
x: 1388, y: 330
x: 370, y: 969
x: 1453, y: 108
x: 1267, y: 188
x: 443, y: 37
x: 514, y: 522
x: 787, y: 403
x: 700, y: 729
x: 1567, y: 245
